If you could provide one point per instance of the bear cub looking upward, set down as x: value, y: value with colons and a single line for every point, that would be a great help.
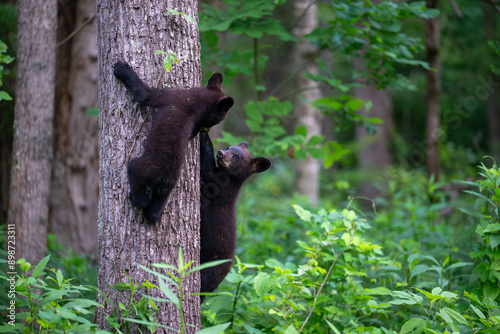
x: 220, y: 186
x: 180, y: 114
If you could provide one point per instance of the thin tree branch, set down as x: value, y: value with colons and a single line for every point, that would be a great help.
x: 326, y: 278
x: 456, y: 9
x: 309, y: 5
x: 76, y: 31
x: 286, y: 96
x: 494, y: 4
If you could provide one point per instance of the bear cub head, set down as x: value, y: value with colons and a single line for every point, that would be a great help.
x: 214, y: 112
x: 240, y: 164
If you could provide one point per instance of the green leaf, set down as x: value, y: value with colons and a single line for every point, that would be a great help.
x: 355, y: 104
x: 459, y: 265
x: 291, y: 330
x: 148, y: 323
x: 214, y: 329
x: 492, y: 228
x: 494, y: 240
x: 40, y: 267
x: 455, y: 315
x: 253, y: 125
x: 332, y: 327
x: 472, y: 213
x: 302, y: 213
x: 263, y: 283
x: 411, y: 325
x: 330, y: 102
x: 315, y: 140
x: 5, y: 96
x: 479, y: 313
x: 13, y: 329
x: 159, y: 275
x: 92, y: 112
x: 208, y: 265
x: 480, y: 196
x: 316, y: 153
x: 53, y: 295
x: 168, y: 293
x: 491, y: 290
x: 301, y: 130
x: 167, y: 63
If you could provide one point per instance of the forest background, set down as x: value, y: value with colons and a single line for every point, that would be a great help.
x: 380, y: 213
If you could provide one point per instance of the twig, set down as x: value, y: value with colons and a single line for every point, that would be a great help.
x: 76, y: 31
x: 494, y: 4
x: 309, y: 5
x: 326, y: 278
x: 456, y: 9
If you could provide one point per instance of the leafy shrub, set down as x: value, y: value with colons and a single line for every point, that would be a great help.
x: 339, y: 282
x: 487, y: 252
x: 49, y: 303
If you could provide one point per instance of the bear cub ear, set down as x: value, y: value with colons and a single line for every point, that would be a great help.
x: 224, y: 103
x: 260, y: 165
x: 243, y: 144
x: 215, y: 82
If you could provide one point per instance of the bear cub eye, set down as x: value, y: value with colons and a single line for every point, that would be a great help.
x: 236, y: 157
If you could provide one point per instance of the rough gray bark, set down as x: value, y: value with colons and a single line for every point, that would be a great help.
x: 74, y: 187
x: 33, y: 128
x: 306, y: 172
x: 131, y: 31
x: 433, y: 92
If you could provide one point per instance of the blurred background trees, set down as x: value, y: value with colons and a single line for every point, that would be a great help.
x: 369, y: 67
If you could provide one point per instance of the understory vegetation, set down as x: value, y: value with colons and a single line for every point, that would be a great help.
x: 421, y: 261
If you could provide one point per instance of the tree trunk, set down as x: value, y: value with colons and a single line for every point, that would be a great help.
x: 433, y: 92
x: 74, y: 188
x: 493, y: 100
x: 375, y: 155
x: 307, y: 172
x: 132, y: 31
x: 33, y: 128
x: 375, y: 152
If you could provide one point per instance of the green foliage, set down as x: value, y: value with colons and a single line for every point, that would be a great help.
x: 186, y: 17
x: 141, y: 310
x: 353, y: 28
x: 375, y: 32
x: 487, y: 252
x: 135, y: 311
x: 169, y: 60
x: 337, y: 283
x: 495, y: 45
x: 253, y: 18
x: 92, y: 112
x: 48, y: 301
x: 4, y: 59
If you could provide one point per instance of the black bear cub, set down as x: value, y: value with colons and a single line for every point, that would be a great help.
x: 180, y: 114
x: 220, y: 185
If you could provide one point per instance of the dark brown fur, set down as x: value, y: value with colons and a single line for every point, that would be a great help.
x: 220, y: 186
x: 180, y: 114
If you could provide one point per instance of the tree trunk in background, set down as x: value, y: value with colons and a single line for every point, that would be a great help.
x: 131, y: 31
x: 493, y: 102
x: 33, y: 128
x: 433, y: 92
x: 306, y: 172
x: 74, y: 189
x: 374, y: 154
